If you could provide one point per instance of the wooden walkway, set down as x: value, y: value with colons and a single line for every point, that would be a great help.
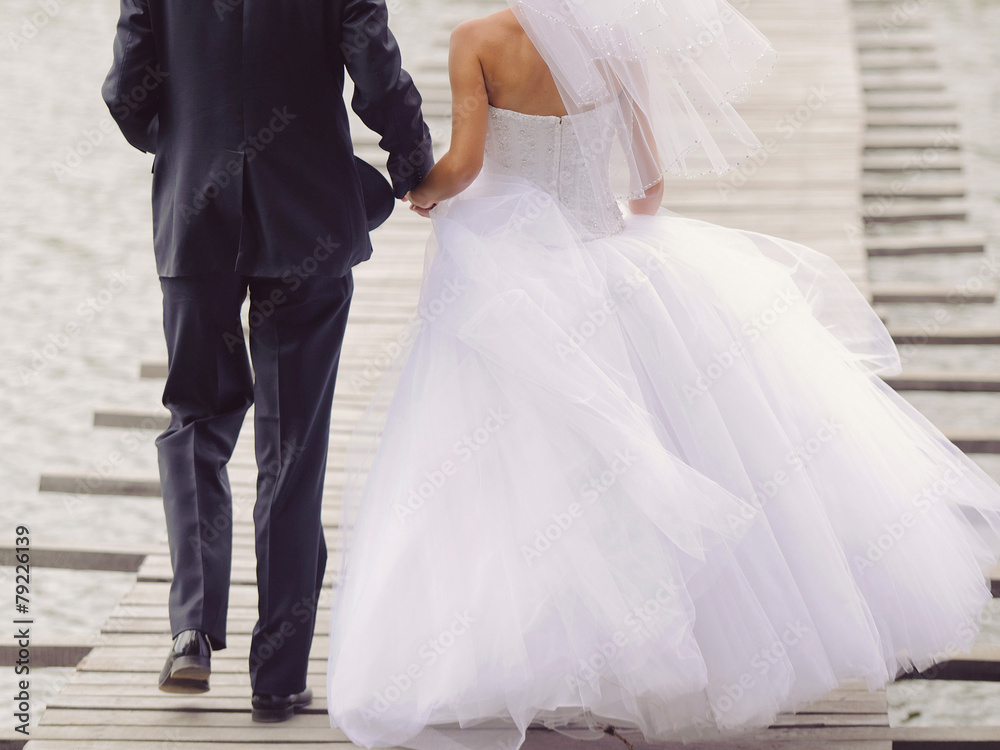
x: 836, y: 134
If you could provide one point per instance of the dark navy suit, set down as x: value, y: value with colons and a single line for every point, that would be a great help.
x: 255, y: 189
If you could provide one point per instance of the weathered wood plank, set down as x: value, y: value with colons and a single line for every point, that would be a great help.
x: 72, y: 556
x: 915, y: 118
x: 89, y: 484
x: 931, y: 161
x: 911, y: 292
x: 982, y: 664
x: 877, y: 102
x: 45, y: 654
x: 915, y: 139
x: 946, y: 337
x: 903, y: 81
x: 899, y: 209
x: 287, y: 732
x: 947, y: 381
x: 907, y: 244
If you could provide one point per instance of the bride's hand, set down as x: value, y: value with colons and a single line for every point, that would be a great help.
x: 415, y: 205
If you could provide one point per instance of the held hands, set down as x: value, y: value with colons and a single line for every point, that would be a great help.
x: 418, y: 204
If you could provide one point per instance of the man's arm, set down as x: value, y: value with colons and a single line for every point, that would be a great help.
x: 384, y: 95
x: 131, y: 88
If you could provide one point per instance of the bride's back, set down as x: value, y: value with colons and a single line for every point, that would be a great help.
x: 516, y: 76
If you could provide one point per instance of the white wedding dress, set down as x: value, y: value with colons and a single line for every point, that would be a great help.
x: 637, y: 471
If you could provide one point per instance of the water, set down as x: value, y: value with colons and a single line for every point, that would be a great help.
x: 75, y: 226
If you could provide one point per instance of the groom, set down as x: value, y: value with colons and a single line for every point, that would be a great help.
x: 256, y: 189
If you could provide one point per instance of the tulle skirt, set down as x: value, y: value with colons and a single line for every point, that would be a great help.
x: 650, y: 480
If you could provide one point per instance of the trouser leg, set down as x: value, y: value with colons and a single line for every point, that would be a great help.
x: 208, y: 391
x: 295, y: 341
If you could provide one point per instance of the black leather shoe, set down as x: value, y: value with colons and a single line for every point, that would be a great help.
x: 188, y: 665
x: 274, y: 708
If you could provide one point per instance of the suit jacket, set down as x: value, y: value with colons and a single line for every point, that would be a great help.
x: 242, y: 103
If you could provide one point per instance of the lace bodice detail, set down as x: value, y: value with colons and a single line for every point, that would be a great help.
x: 548, y: 152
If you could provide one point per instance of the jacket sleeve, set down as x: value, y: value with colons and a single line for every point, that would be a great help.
x: 131, y: 89
x: 385, y: 97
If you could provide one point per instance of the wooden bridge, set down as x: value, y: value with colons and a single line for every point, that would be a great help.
x: 860, y: 133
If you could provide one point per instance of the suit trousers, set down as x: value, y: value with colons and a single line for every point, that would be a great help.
x: 296, y: 332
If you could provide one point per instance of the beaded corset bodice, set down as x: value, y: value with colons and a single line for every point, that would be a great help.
x: 548, y: 152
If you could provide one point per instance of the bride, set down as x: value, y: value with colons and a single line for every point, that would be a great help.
x: 635, y: 469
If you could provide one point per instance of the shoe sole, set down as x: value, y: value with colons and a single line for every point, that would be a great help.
x: 184, y: 687
x: 275, y: 715
x: 188, y: 675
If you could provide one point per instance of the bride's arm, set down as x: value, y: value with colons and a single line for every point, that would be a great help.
x: 647, y: 163
x: 650, y: 203
x: 456, y: 170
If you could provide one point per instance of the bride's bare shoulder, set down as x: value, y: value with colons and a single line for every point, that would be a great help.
x: 486, y: 32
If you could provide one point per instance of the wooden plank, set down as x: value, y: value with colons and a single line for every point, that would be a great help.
x: 89, y: 484
x: 903, y: 81
x: 946, y: 337
x: 912, y: 118
x: 888, y: 22
x: 287, y: 732
x: 188, y: 719
x: 144, y: 420
x: 133, y: 420
x: 204, y: 703
x: 949, y: 381
x: 912, y: 292
x: 907, y: 101
x: 898, y: 59
x: 916, y: 41
x: 899, y: 245
x: 918, y: 186
x: 896, y: 210
x: 932, y: 162
x: 938, y: 139
x: 72, y: 556
x: 983, y: 441
x: 45, y: 654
